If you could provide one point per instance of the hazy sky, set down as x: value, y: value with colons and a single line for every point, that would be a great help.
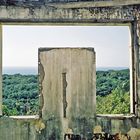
x: 21, y: 43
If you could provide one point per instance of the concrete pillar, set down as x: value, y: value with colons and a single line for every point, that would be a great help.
x: 138, y: 67
x: 68, y: 90
x: 134, y: 71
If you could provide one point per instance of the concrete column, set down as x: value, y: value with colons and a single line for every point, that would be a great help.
x: 138, y: 68
x: 133, y: 70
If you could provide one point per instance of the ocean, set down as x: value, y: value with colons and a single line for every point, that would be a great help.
x: 34, y: 70
x: 110, y: 68
x: 20, y: 70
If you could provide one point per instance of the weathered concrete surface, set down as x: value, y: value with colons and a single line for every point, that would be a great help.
x: 18, y: 129
x: 29, y: 128
x: 69, y: 3
x: 50, y: 14
x: 102, y: 3
x: 72, y: 103
x: 101, y: 11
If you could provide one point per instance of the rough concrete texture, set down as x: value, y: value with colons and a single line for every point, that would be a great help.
x: 15, y: 129
x: 54, y: 14
x: 69, y: 88
x: 68, y: 3
x: 81, y: 12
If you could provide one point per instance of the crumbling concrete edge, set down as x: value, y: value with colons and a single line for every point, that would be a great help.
x: 40, y: 80
x: 49, y: 49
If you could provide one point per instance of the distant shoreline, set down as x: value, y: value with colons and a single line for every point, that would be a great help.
x: 34, y: 70
x: 20, y: 70
x: 110, y: 68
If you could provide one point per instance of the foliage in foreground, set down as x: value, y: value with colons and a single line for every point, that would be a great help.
x: 113, y: 96
x: 118, y: 102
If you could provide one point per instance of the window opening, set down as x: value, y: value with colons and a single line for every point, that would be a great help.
x: 17, y: 98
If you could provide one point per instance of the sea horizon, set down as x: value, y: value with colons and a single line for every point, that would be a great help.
x: 34, y: 70
x: 110, y: 68
x: 20, y: 70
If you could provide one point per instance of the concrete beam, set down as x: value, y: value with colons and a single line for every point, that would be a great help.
x: 95, y: 4
x: 50, y: 14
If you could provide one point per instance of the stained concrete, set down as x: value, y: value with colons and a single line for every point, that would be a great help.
x: 78, y: 106
x: 15, y: 129
x: 52, y: 14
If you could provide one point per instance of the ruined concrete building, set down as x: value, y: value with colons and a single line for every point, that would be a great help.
x: 73, y: 123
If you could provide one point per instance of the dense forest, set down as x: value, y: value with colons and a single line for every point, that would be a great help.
x: 113, y: 96
x: 20, y: 93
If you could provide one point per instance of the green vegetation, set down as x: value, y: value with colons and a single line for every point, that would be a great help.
x: 113, y: 92
x: 20, y: 93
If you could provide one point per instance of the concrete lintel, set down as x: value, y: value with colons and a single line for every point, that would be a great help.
x: 95, y: 4
x: 84, y: 4
x: 48, y: 49
x: 49, y: 14
x: 100, y: 22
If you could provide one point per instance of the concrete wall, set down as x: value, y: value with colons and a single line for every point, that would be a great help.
x: 68, y: 87
x: 31, y: 128
x: 18, y: 129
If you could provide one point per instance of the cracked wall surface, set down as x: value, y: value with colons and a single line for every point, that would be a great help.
x: 68, y: 89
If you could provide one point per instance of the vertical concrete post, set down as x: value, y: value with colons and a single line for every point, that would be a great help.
x: 138, y: 67
x: 131, y: 76
x: 134, y: 70
x: 0, y: 69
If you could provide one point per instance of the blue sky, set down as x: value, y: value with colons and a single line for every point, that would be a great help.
x: 21, y: 43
